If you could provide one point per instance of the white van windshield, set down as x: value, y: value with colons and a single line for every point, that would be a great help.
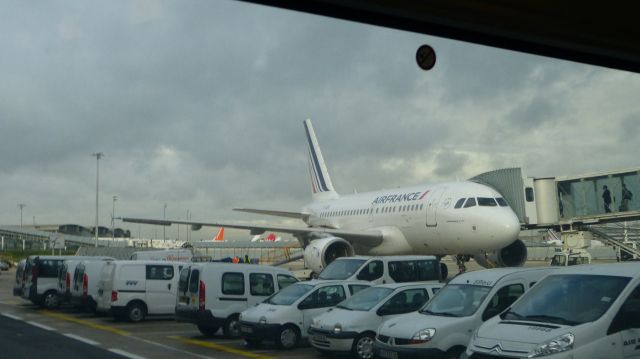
x: 341, y: 269
x: 289, y: 295
x: 366, y: 299
x: 568, y: 299
x: 456, y: 300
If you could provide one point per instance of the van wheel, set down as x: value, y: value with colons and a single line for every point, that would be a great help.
x: 231, y: 328
x: 136, y: 312
x: 363, y: 346
x: 454, y: 353
x: 50, y: 300
x: 287, y: 337
x: 253, y: 343
x: 208, y: 331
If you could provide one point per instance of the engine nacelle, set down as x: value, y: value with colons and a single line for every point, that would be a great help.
x: 513, y: 255
x: 323, y: 251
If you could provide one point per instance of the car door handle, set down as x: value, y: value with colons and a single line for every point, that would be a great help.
x: 169, y: 286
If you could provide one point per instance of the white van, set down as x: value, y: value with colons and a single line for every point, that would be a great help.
x: 286, y: 316
x: 385, y: 269
x: 443, y: 327
x: 66, y: 273
x: 132, y: 290
x: 351, y: 325
x: 212, y: 295
x: 84, y: 285
x: 41, y: 280
x: 586, y: 311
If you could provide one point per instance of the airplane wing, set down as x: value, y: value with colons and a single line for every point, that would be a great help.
x: 370, y: 238
x: 268, y: 212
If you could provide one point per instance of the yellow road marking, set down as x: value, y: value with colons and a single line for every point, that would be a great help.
x: 222, y: 348
x: 86, y: 323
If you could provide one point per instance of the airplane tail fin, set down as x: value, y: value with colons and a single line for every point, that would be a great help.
x: 220, y: 236
x: 321, y: 185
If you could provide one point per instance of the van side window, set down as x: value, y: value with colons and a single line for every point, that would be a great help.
x: 48, y: 268
x: 355, y: 288
x: 194, y: 281
x: 285, y: 281
x: 502, y: 300
x: 183, y: 282
x: 233, y: 283
x: 629, y: 314
x: 261, y: 284
x: 414, y: 270
x: 159, y: 272
x: 371, y: 271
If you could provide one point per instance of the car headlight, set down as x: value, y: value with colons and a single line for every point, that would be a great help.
x: 555, y: 345
x: 262, y: 320
x: 337, y: 328
x: 422, y: 336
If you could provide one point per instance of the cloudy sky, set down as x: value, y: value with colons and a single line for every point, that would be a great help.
x: 199, y: 105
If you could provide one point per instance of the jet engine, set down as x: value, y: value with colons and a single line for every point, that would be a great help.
x: 323, y: 251
x: 513, y: 255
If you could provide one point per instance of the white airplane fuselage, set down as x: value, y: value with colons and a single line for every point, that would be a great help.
x: 423, y: 219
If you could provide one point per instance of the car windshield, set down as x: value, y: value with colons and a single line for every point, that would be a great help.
x: 568, y: 299
x: 366, y: 299
x: 341, y: 269
x: 456, y: 300
x: 289, y: 295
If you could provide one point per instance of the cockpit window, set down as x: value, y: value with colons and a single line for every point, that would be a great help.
x: 502, y: 202
x: 486, y: 202
x: 470, y: 202
x: 459, y: 203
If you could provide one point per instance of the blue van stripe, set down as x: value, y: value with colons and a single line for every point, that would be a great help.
x: 314, y: 159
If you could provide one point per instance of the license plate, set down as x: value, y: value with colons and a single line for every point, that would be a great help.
x: 320, y: 338
x: 246, y: 329
x: 388, y: 354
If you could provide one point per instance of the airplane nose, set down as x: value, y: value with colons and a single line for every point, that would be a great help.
x: 509, y: 227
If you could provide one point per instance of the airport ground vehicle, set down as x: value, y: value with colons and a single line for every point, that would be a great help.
x: 212, y: 295
x: 41, y: 280
x: 385, y: 269
x: 84, y: 286
x: 286, y: 316
x: 132, y: 290
x: 351, y: 325
x: 588, y: 311
x: 18, y: 285
x: 4, y: 265
x: 570, y: 257
x: 66, y: 274
x: 443, y: 327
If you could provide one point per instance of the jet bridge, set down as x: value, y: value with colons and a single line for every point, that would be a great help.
x: 567, y: 202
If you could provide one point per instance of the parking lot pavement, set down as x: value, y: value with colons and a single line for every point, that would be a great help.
x: 156, y: 338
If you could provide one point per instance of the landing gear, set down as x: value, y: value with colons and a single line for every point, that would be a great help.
x: 461, y: 260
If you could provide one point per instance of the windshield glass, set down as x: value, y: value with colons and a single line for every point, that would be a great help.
x: 341, y: 269
x: 289, y: 295
x: 456, y: 300
x: 576, y: 299
x: 366, y: 299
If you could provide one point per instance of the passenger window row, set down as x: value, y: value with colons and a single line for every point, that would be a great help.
x: 359, y: 212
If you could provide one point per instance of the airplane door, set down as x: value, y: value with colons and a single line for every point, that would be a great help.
x: 433, y: 198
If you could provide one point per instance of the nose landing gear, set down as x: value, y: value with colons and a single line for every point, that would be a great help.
x: 461, y: 260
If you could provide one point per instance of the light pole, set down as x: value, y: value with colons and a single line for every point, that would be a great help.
x: 21, y: 205
x: 164, y: 227
x: 113, y: 220
x: 188, y: 226
x: 98, y: 156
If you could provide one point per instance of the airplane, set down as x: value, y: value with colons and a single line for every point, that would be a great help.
x: 464, y: 218
x: 270, y: 238
x: 219, y: 236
